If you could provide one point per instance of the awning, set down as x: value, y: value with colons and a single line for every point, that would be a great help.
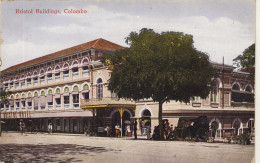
x: 75, y: 92
x: 85, y: 91
x: 12, y: 103
x: 66, y: 94
x: 35, y: 100
x: 42, y: 101
x: 29, y: 99
x: 49, y: 98
x: 57, y: 95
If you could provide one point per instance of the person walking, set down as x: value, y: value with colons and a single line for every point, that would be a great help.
x: 117, y: 127
x: 22, y: 126
x: 108, y: 131
x: 148, y: 130
x: 135, y: 129
x: 50, y: 128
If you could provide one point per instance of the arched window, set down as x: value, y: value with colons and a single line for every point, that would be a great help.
x: 23, y: 102
x: 42, y: 77
x: 50, y: 99
x: 42, y: 93
x: 22, y: 81
x: 75, y: 69
x: 49, y: 75
x: 85, y: 92
x: 214, y: 91
x: 99, y: 88
x: 35, y: 78
x: 49, y: 91
x: 85, y: 71
x: 58, y: 90
x: 75, y: 88
x: 57, y: 73
x: 66, y: 71
x: 42, y: 100
x: 57, y: 98
x: 29, y: 80
x: 17, y: 102
x: 29, y: 101
x: 75, y: 96
x: 12, y: 103
x: 236, y: 87
x: 248, y: 89
x: 66, y: 96
x: 35, y: 100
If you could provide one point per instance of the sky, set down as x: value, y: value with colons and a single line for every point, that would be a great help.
x: 219, y: 27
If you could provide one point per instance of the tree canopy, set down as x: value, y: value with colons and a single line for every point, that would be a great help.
x: 4, y: 96
x: 162, y: 66
x: 246, y: 61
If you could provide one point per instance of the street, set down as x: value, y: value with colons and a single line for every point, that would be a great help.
x: 40, y: 147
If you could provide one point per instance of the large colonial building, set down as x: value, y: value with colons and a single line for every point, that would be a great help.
x: 68, y: 88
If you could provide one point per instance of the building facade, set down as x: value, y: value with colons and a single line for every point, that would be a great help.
x: 69, y: 90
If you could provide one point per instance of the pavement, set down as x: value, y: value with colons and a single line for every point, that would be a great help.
x: 43, y: 147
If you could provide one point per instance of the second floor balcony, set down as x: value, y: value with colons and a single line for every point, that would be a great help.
x: 243, y: 104
x: 106, y: 101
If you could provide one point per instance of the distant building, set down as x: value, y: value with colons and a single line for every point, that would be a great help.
x: 68, y: 88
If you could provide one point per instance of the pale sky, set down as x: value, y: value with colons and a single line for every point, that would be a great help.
x: 219, y: 28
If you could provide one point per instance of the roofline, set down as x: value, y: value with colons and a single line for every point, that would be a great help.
x: 45, y: 57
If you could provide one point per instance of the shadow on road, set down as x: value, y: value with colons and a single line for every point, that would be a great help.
x: 47, y: 153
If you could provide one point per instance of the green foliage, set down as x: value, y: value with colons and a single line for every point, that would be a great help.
x: 164, y: 66
x: 242, y: 139
x: 4, y: 96
x: 246, y: 61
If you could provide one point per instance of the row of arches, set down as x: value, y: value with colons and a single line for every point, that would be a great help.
x: 216, y: 128
x: 56, y: 90
x: 84, y: 63
x: 216, y: 83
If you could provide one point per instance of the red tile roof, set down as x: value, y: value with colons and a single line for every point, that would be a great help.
x: 95, y: 44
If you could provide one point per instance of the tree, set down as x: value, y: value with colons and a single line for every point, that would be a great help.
x: 4, y: 100
x: 246, y: 61
x: 162, y: 66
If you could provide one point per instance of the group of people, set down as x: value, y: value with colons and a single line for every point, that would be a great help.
x: 167, y: 129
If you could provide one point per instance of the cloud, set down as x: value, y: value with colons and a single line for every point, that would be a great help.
x: 69, y: 29
x: 22, y: 51
x: 221, y: 36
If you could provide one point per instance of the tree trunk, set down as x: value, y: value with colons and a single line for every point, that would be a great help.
x: 160, y: 121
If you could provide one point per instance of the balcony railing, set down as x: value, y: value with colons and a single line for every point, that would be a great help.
x: 23, y: 108
x: 106, y: 101
x: 50, y: 106
x: 85, y: 73
x: 66, y: 105
x: 243, y: 104
x: 29, y: 107
x: 58, y: 105
x: 75, y: 105
x: 17, y: 108
x: 75, y: 74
